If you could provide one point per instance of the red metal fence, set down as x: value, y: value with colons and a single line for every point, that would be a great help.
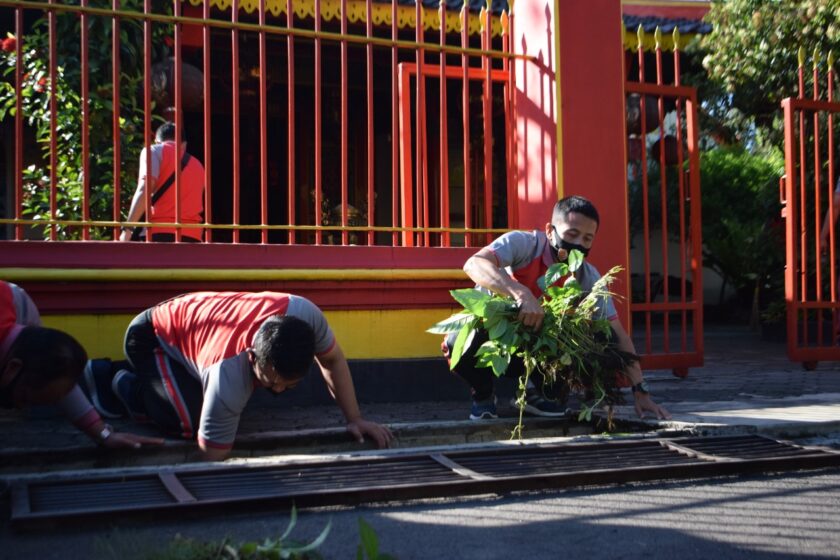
x: 309, y: 129
x: 664, y: 189
x: 811, y: 206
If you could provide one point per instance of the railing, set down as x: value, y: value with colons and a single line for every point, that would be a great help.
x: 664, y: 183
x: 810, y: 207
x: 304, y: 127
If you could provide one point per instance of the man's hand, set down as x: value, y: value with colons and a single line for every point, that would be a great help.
x: 645, y: 403
x: 119, y: 440
x: 531, y: 313
x: 377, y: 432
x: 125, y: 235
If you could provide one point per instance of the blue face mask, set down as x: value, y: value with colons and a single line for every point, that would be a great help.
x: 565, y: 245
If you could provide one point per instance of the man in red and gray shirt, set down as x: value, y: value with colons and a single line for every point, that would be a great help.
x: 197, y: 359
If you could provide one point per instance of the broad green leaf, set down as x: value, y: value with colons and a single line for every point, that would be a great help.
x: 462, y: 342
x: 451, y: 324
x: 248, y: 549
x: 473, y: 300
x: 554, y: 273
x: 575, y: 260
x: 369, y: 540
x: 499, y: 364
x: 496, y: 308
x: 497, y: 332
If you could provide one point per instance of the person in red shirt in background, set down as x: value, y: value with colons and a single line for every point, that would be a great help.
x: 161, y: 185
x: 41, y: 366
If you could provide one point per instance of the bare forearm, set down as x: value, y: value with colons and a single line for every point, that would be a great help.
x: 484, y: 272
x: 336, y: 374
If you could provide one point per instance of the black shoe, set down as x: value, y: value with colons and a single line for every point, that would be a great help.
x: 97, y: 385
x: 124, y: 386
x: 537, y: 405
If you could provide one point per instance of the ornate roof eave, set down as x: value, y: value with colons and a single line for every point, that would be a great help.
x: 357, y: 13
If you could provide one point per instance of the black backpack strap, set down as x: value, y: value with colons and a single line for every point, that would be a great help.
x: 170, y: 180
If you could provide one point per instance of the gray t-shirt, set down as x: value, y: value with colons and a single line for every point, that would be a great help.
x: 516, y: 250
x: 229, y: 384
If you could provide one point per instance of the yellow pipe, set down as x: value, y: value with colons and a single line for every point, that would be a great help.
x: 111, y: 224
x: 224, y: 275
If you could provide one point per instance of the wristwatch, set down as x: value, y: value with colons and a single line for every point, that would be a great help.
x: 104, y: 433
x: 641, y: 387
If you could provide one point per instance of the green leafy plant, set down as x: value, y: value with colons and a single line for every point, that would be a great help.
x: 36, y: 92
x: 181, y: 548
x: 572, y: 346
x: 369, y: 547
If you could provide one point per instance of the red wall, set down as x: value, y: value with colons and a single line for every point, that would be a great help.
x: 592, y: 118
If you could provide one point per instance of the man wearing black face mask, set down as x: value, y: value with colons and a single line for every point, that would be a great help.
x: 510, y: 266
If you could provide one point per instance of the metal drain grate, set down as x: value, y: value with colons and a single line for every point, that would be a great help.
x: 364, y: 479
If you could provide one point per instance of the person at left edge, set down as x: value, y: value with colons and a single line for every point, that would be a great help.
x: 42, y: 366
x: 197, y: 358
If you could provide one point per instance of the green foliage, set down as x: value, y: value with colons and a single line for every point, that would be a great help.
x: 743, y: 233
x: 36, y: 95
x: 369, y: 547
x: 571, y: 346
x: 752, y: 54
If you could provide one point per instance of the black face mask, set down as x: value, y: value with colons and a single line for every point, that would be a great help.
x: 566, y: 246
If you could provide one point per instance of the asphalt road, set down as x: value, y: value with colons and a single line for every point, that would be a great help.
x: 794, y: 515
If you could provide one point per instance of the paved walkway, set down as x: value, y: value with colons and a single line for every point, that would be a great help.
x: 746, y: 384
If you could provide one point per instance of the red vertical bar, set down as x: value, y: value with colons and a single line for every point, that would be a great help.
x: 318, y: 186
x: 208, y: 112
x: 234, y: 75
x: 344, y: 202
x: 420, y: 137
x: 510, y: 125
x: 290, y: 46
x: 115, y: 101
x: 803, y: 249
x: 817, y: 220
x: 465, y: 104
x: 85, y: 99
x: 645, y: 207
x: 371, y: 202
x: 790, y: 228
x: 179, y: 118
x: 681, y: 186
x: 54, y: 125
x: 693, y: 138
x: 18, y: 122
x: 830, y: 188
x: 147, y: 107
x: 663, y: 198
x: 408, y: 237
x: 444, y: 136
x: 395, y: 198
x: 486, y: 64
x: 263, y: 129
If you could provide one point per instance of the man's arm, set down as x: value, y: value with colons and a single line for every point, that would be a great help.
x: 634, y: 373
x: 336, y: 373
x: 138, y: 202
x: 482, y: 269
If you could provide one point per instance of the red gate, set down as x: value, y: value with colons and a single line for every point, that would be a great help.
x: 663, y: 166
x: 810, y: 200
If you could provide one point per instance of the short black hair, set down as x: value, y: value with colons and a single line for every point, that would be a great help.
x: 48, y: 355
x: 579, y: 204
x: 165, y: 132
x: 287, y: 344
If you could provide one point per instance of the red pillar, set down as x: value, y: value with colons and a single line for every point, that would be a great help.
x: 591, y: 155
